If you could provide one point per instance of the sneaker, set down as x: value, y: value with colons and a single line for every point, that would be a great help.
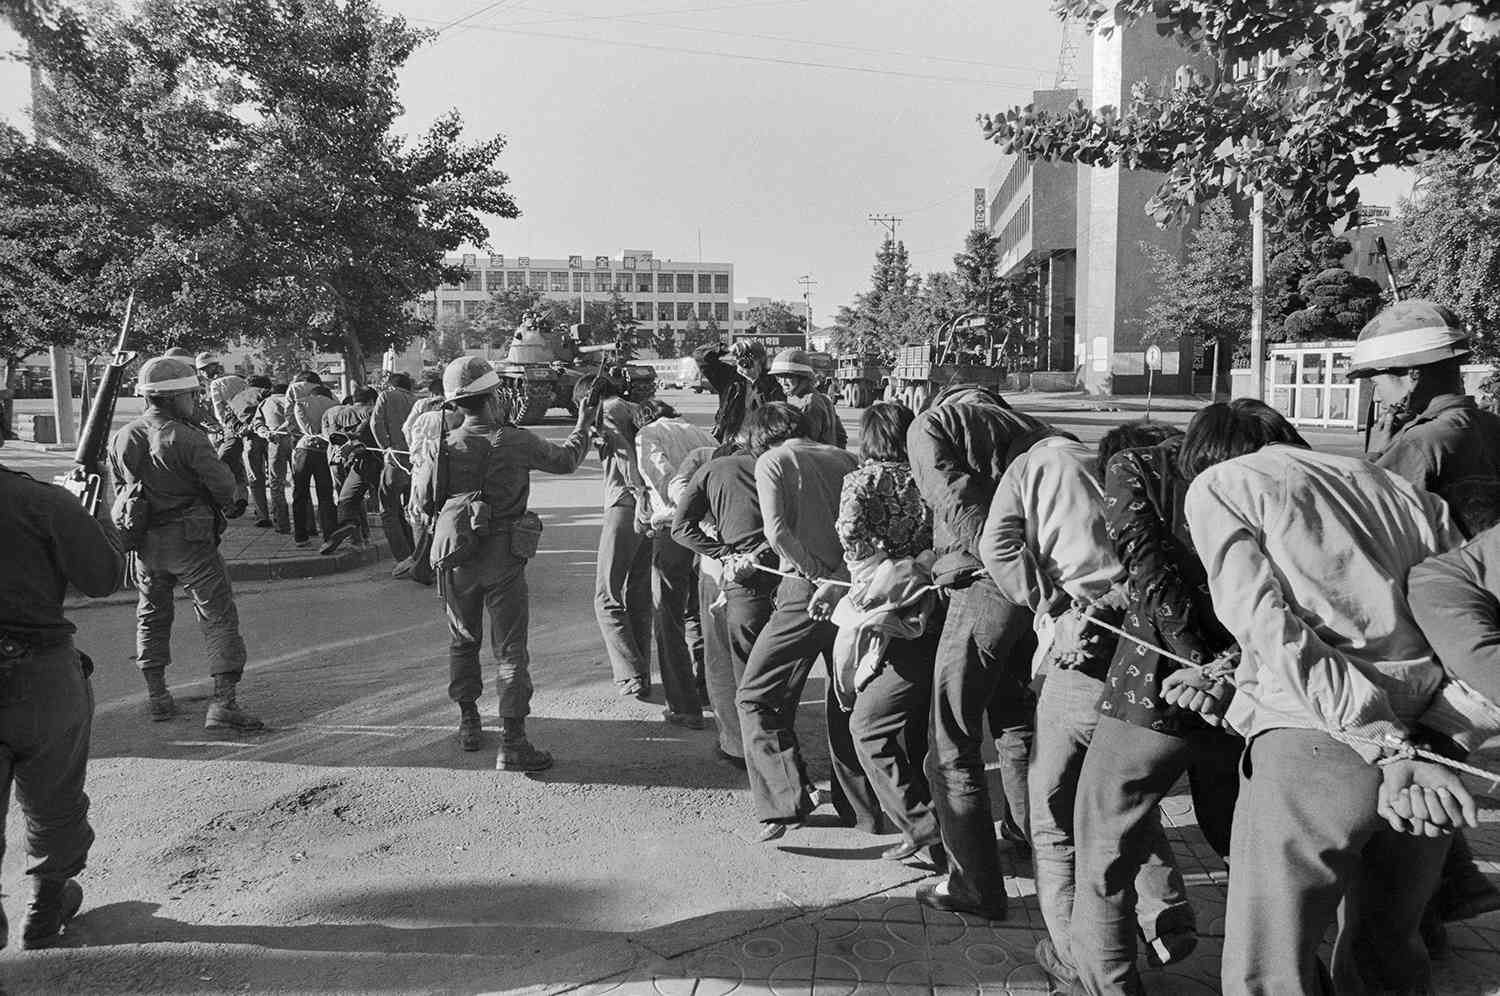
x: 224, y: 716
x: 402, y: 569
x: 522, y: 756
x: 161, y: 707
x: 302, y: 544
x: 263, y: 524
x: 53, y: 904
x: 1059, y: 971
x: 1170, y: 947
x: 337, y: 537
x: 686, y: 719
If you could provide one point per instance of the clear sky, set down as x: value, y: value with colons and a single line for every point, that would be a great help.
x: 765, y: 130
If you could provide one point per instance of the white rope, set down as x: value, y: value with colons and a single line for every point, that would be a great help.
x: 1401, y: 749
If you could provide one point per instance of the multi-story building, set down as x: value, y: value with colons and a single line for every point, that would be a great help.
x: 1094, y: 282
x: 1371, y: 223
x: 664, y: 294
x: 1032, y: 213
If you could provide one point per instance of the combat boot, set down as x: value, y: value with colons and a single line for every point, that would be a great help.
x: 516, y: 752
x: 469, y: 727
x: 53, y: 904
x: 224, y: 713
x: 159, y: 701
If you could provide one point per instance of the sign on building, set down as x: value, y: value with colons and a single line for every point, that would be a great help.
x: 979, y: 207
x: 524, y: 262
x: 601, y: 262
x: 628, y: 262
x: 575, y: 262
x: 788, y: 340
x: 497, y: 259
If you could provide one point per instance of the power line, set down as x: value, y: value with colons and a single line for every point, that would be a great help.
x: 473, y: 14
x: 889, y: 222
x: 804, y: 63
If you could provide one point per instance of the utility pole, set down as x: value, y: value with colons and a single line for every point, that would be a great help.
x: 60, y: 357
x: 889, y: 222
x: 1257, y: 277
x: 808, y: 283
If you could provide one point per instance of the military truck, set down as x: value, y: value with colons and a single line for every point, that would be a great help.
x: 857, y: 379
x: 924, y: 369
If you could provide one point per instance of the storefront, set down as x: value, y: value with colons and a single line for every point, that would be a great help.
x: 1310, y: 385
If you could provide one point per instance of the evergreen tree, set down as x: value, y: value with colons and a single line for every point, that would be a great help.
x: 1338, y: 303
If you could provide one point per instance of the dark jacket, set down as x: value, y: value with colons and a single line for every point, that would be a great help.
x: 737, y: 396
x: 180, y: 473
x: 959, y: 449
x: 1166, y: 583
x: 1452, y: 439
x: 495, y: 460
x: 722, y: 490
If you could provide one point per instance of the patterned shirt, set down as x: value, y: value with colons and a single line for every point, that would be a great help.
x: 1169, y: 604
x: 882, y: 511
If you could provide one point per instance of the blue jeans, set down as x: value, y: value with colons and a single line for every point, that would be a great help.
x: 721, y: 668
x: 1067, y: 712
x: 622, y: 595
x: 1127, y: 772
x: 983, y: 663
x: 1307, y: 838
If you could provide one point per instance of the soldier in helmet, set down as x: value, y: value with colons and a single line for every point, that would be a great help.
x: 794, y: 372
x: 223, y: 388
x: 489, y: 455
x: 1433, y: 435
x: 46, y: 708
x: 164, y: 461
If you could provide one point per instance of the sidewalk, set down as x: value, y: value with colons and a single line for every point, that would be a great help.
x: 889, y: 944
x: 265, y: 555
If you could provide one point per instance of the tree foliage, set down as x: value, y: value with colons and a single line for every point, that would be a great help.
x: 1337, y: 303
x: 775, y: 319
x: 1350, y: 87
x: 1204, y: 295
x: 1447, y: 242
x: 878, y: 320
x: 242, y: 154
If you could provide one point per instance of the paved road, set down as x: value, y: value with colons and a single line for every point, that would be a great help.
x: 354, y: 848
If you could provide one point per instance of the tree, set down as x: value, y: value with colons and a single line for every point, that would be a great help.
x: 695, y: 334
x: 665, y: 341
x: 451, y: 339
x: 620, y: 326
x: 1350, y: 87
x: 1447, y: 243
x: 244, y: 156
x: 1205, y: 295
x: 878, y: 320
x: 1338, y: 303
x: 776, y: 318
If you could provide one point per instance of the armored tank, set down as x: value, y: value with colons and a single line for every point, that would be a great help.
x: 538, y: 363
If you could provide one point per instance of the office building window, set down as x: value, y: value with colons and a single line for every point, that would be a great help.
x: 450, y: 307
x: 515, y: 279
x: 664, y: 283
x: 705, y: 310
x: 580, y: 282
x: 539, y: 279
x: 664, y: 311
x: 684, y: 311
x: 471, y: 308
x: 643, y: 283
x: 721, y: 283
x: 643, y: 311
x: 560, y: 280
x: 721, y: 311
x: 471, y: 282
x: 684, y: 283
x: 705, y: 283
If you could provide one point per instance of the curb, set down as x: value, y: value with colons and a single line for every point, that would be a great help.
x: 311, y: 566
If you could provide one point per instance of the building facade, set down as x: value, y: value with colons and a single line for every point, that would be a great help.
x: 663, y: 294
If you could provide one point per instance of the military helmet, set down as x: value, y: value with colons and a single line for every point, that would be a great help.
x: 468, y: 377
x: 207, y: 360
x: 179, y: 353
x: 792, y: 361
x: 1408, y: 334
x: 166, y: 375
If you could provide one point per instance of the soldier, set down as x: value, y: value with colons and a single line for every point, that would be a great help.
x: 223, y: 388
x: 187, y: 494
x: 46, y: 706
x: 797, y: 378
x: 488, y: 455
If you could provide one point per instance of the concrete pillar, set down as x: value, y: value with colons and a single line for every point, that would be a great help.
x: 62, y: 396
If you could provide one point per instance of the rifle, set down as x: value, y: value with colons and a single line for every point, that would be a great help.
x: 86, y: 479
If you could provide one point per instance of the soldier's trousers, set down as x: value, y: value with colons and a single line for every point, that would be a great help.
x: 492, y: 584
x: 186, y: 553
x: 46, y: 708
